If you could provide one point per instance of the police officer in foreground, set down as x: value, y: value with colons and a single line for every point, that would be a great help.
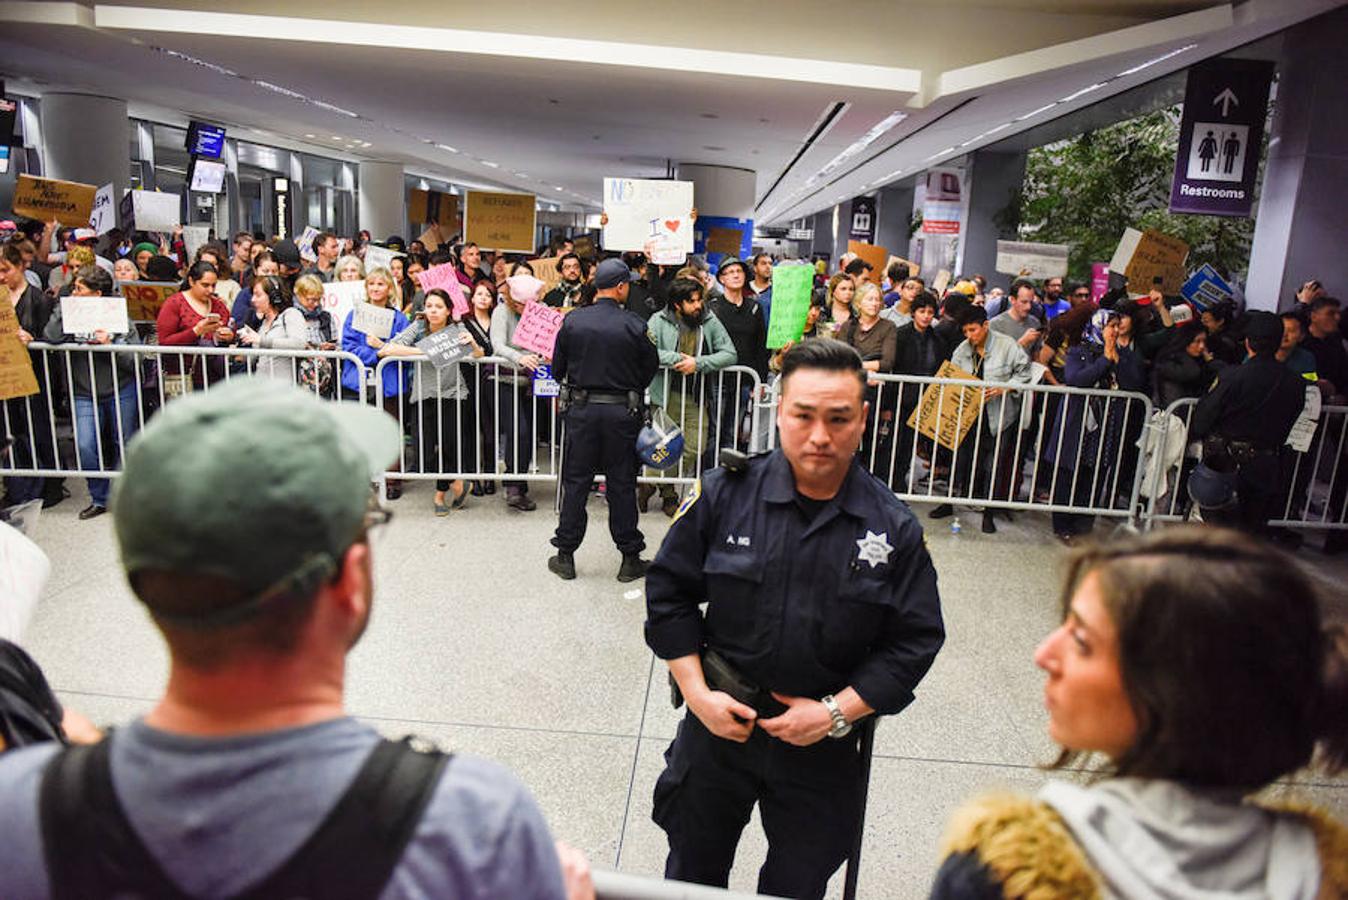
x: 604, y: 358
x: 822, y: 610
x: 1243, y: 422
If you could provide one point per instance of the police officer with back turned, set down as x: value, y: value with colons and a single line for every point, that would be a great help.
x: 1244, y: 421
x: 822, y: 609
x: 604, y: 358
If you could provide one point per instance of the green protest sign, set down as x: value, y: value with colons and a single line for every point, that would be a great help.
x: 792, y: 286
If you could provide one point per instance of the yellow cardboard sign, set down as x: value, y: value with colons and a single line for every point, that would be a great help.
x: 496, y: 221
x: 44, y: 199
x: 434, y: 208
x: 16, y: 366
x: 945, y: 413
x: 878, y: 257
x: 144, y: 299
x: 545, y: 270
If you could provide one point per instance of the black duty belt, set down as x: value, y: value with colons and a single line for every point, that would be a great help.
x: 616, y: 398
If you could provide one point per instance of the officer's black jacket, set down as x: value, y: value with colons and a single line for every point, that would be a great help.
x: 794, y: 605
x: 604, y: 347
x: 1257, y: 402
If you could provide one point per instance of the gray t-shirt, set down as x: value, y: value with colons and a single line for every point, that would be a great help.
x: 1016, y: 330
x: 221, y: 814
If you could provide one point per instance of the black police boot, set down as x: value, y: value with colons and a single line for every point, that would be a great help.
x: 633, y: 567
x: 989, y: 526
x: 563, y: 565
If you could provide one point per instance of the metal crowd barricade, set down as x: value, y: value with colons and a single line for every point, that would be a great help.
x: 622, y: 886
x: 714, y: 410
x: 1063, y: 449
x: 72, y: 427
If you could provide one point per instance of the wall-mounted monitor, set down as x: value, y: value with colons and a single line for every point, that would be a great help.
x: 207, y: 176
x: 205, y: 140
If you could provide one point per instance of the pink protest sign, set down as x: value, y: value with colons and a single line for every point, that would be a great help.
x: 537, y: 330
x: 443, y: 277
x: 1099, y: 280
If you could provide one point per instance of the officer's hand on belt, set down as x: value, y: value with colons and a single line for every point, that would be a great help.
x: 805, y: 721
x: 723, y: 715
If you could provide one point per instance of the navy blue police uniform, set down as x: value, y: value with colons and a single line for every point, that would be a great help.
x: 804, y: 598
x: 605, y: 356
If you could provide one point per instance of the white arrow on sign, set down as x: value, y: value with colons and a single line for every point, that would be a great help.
x: 1226, y: 98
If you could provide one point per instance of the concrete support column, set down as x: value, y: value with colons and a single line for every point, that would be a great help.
x: 721, y: 190
x: 87, y: 138
x: 992, y: 181
x: 1300, y: 231
x: 895, y: 211
x: 382, y: 199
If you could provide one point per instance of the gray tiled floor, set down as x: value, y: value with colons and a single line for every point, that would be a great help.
x: 474, y: 644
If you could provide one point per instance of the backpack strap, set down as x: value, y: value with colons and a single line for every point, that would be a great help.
x: 92, y: 850
x: 355, y: 851
x: 90, y: 847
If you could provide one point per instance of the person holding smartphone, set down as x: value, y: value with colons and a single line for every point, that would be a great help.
x: 194, y: 317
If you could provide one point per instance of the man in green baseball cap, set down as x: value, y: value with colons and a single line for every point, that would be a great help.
x: 248, y: 777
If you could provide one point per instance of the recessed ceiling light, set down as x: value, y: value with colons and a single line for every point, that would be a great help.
x: 487, y: 162
x: 336, y: 138
x: 559, y: 188
x: 308, y: 135
x: 447, y: 148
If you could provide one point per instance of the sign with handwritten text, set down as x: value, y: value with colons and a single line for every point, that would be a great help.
x: 444, y: 278
x: 498, y: 221
x: 145, y: 298
x: 641, y: 211
x: 537, y: 329
x: 68, y: 202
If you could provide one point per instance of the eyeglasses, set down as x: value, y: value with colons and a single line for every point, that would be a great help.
x: 1081, y: 294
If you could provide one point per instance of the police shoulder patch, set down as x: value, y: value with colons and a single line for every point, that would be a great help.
x: 694, y: 493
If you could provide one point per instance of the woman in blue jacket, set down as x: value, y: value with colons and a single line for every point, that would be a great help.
x: 380, y: 290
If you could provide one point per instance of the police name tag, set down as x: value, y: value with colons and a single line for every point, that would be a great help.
x: 544, y: 384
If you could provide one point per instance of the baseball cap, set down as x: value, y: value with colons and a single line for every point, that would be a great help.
x: 84, y: 234
x: 287, y: 254
x: 611, y: 273
x: 309, y: 466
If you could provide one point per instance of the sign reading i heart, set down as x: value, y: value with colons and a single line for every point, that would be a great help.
x: 649, y: 216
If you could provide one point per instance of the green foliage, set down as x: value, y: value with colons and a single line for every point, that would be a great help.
x: 1085, y: 190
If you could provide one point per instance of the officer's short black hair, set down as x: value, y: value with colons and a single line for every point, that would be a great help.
x: 823, y: 353
x: 681, y: 290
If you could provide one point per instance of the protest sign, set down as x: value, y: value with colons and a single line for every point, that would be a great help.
x: 537, y: 329
x: 720, y: 236
x: 376, y: 321
x: 85, y: 315
x: 1142, y: 257
x: 792, y: 287
x: 433, y: 208
x: 1205, y: 287
x: 432, y: 238
x: 16, y: 366
x: 498, y: 221
x: 443, y: 277
x: 1028, y: 260
x: 340, y: 297
x: 545, y: 270
x: 1303, y: 429
x: 878, y: 257
x: 154, y: 211
x: 194, y: 238
x: 377, y: 257
x: 945, y: 413
x: 941, y: 282
x: 305, y: 243
x: 913, y: 268
x: 544, y: 384
x: 1099, y: 281
x: 585, y: 248
x: 724, y: 240
x: 445, y: 347
x: 103, y: 218
x: 641, y: 211
x: 68, y: 202
x: 145, y: 298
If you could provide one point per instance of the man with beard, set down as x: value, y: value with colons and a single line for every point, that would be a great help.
x: 567, y: 293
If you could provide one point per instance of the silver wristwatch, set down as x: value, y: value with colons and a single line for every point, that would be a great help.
x: 841, y: 727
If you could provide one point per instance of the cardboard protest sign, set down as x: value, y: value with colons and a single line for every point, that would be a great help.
x: 585, y: 248
x: 305, y: 243
x: 68, y: 202
x: 144, y: 298
x: 85, y: 315
x: 1143, y: 257
x: 376, y: 321
x: 941, y: 282
x: 792, y: 287
x: 1303, y: 429
x: 445, y: 347
x: 537, y: 329
x: 340, y: 297
x: 103, y: 218
x: 194, y: 238
x: 496, y: 221
x: 724, y: 240
x: 377, y: 257
x: 878, y: 257
x: 945, y: 413
x: 154, y: 211
x: 1028, y: 260
x: 432, y: 238
x: 443, y: 277
x: 16, y: 366
x: 545, y: 270
x: 913, y: 268
x: 641, y: 211
x: 433, y: 208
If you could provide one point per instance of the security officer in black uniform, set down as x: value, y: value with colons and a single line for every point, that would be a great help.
x: 822, y: 609
x: 605, y: 358
x: 1244, y: 421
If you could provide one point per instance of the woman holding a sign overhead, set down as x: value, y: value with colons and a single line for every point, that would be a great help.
x: 444, y: 430
x: 381, y: 291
